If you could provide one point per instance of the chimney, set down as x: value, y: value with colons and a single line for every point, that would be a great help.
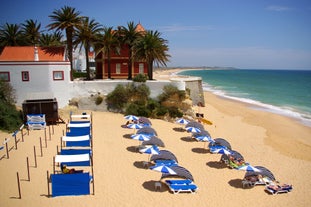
x: 36, y: 55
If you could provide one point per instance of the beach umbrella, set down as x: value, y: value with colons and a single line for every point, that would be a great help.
x: 180, y: 172
x: 193, y: 129
x: 223, y: 151
x: 220, y: 142
x: 131, y: 118
x: 249, y: 168
x: 144, y: 120
x: 163, y: 169
x: 150, y: 149
x: 147, y: 130
x: 182, y: 121
x: 264, y: 172
x: 154, y: 141
x: 141, y: 137
x: 164, y: 155
x: 195, y: 124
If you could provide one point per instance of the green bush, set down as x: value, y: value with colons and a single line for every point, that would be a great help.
x: 170, y: 90
x: 117, y: 98
x: 10, y: 118
x: 140, y: 78
x: 137, y: 109
x: 174, y: 112
x: 98, y: 100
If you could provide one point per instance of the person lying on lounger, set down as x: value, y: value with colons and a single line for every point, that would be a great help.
x: 66, y: 170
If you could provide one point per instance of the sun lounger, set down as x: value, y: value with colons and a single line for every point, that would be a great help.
x: 276, y: 189
x: 79, y: 131
x: 178, y: 182
x: 77, y: 141
x: 70, y: 184
x: 74, y: 159
x: 179, y: 188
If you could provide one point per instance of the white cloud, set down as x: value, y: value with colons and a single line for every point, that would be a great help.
x: 278, y: 8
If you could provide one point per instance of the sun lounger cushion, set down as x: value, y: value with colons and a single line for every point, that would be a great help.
x: 79, y: 131
x: 177, y: 188
x: 179, y: 182
x: 70, y: 184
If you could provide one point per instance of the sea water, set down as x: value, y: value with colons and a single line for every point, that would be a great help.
x: 286, y: 92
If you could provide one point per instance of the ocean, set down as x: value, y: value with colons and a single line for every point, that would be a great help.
x: 285, y: 92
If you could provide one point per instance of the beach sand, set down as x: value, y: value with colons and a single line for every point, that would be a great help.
x: 275, y: 142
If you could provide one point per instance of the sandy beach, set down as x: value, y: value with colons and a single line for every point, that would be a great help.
x: 278, y: 143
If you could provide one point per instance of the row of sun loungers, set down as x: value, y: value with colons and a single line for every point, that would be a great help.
x: 76, y: 151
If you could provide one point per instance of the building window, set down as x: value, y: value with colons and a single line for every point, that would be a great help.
x: 5, y: 76
x: 141, y: 68
x: 58, y: 75
x: 118, y: 68
x: 25, y: 76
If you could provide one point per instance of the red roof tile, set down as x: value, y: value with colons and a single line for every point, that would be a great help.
x: 26, y: 53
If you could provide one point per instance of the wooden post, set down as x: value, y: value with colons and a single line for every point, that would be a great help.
x: 7, y: 148
x: 22, y: 135
x: 46, y: 143
x: 63, y: 133
x: 53, y: 129
x: 28, y: 169
x: 15, y: 140
x: 35, y: 156
x: 48, y: 181
x: 53, y: 164
x: 18, y: 186
x: 41, y: 147
x: 93, y: 181
x: 49, y: 132
x: 45, y: 135
x: 21, y: 129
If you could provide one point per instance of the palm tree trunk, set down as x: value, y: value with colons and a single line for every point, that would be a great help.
x: 88, y: 74
x: 109, y: 64
x: 130, y: 65
x: 69, y: 46
x: 150, y: 70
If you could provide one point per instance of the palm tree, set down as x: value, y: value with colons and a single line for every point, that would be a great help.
x: 87, y: 35
x: 109, y: 43
x: 54, y: 39
x: 10, y: 35
x: 31, y: 31
x: 66, y: 18
x: 151, y: 48
x: 128, y: 36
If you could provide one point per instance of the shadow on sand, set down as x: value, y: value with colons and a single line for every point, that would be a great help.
x: 216, y: 164
x: 200, y: 150
x: 150, y: 185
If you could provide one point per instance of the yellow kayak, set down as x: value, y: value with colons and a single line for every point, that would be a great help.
x: 205, y: 121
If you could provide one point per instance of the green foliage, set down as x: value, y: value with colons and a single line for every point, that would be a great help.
x: 137, y: 109
x: 160, y: 111
x: 174, y: 112
x: 170, y: 90
x: 10, y: 118
x: 140, y: 78
x: 77, y: 74
x: 117, y: 98
x: 98, y: 100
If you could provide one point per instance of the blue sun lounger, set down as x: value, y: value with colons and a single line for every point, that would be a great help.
x: 77, y: 141
x: 70, y: 184
x: 179, y: 182
x: 178, y: 188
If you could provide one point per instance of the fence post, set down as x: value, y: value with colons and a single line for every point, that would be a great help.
x: 18, y: 186
x: 35, y: 156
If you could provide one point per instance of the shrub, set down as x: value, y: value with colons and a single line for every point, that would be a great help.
x: 140, y: 78
x: 98, y: 100
x: 174, y: 112
x: 170, y: 90
x: 117, y: 98
x: 10, y: 118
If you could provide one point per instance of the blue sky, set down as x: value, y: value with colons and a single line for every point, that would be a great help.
x: 254, y: 34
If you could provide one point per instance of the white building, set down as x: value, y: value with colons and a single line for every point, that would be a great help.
x: 35, y: 72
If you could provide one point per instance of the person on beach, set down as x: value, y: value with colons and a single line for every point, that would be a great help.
x: 66, y: 170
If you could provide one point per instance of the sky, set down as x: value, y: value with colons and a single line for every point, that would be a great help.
x: 246, y: 34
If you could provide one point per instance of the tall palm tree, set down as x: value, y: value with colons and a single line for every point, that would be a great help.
x: 10, y: 35
x: 128, y: 36
x: 151, y: 48
x: 109, y: 43
x: 66, y: 18
x: 54, y: 39
x: 31, y: 31
x: 87, y: 35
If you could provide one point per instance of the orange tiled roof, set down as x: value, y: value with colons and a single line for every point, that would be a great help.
x: 140, y: 28
x: 26, y: 53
